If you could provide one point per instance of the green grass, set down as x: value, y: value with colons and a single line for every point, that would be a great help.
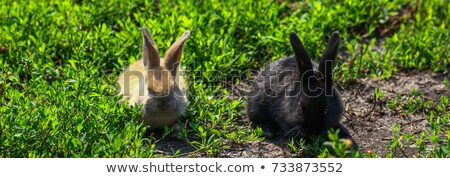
x: 60, y: 59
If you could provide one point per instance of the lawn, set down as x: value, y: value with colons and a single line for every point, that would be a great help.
x: 60, y: 61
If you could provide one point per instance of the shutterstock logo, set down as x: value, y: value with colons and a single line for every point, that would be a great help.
x: 178, y: 168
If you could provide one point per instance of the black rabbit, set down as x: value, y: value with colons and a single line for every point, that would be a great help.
x: 295, y: 97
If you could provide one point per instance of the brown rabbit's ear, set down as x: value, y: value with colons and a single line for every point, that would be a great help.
x: 302, y: 57
x: 328, y: 56
x: 173, y: 55
x: 150, y: 53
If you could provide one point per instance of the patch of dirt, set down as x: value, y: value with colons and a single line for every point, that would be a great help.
x: 256, y: 149
x: 370, y: 123
x: 171, y: 146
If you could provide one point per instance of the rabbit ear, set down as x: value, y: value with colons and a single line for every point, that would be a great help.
x: 150, y: 53
x: 328, y: 56
x: 303, y: 60
x: 173, y: 55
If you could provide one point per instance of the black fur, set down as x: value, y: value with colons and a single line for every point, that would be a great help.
x: 283, y: 99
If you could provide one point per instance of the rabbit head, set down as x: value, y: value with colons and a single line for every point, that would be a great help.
x: 316, y: 85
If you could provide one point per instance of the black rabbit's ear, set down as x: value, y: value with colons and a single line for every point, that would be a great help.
x: 303, y: 60
x: 150, y: 53
x: 328, y: 56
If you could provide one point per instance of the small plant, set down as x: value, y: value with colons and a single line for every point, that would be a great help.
x: 378, y: 94
x: 337, y: 147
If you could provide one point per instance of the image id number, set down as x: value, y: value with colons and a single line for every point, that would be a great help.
x: 307, y: 167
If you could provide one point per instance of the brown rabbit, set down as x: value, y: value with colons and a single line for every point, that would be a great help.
x: 157, y: 83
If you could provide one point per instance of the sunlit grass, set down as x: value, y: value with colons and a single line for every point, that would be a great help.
x: 59, y: 61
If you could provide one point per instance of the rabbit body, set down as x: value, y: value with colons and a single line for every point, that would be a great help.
x: 157, y: 83
x: 278, y: 108
x: 174, y: 106
x: 294, y: 95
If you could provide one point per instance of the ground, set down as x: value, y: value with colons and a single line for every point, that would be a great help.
x: 371, y: 123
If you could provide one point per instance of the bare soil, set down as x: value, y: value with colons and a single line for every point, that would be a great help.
x: 371, y: 123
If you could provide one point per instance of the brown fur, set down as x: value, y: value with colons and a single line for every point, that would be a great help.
x: 157, y: 83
